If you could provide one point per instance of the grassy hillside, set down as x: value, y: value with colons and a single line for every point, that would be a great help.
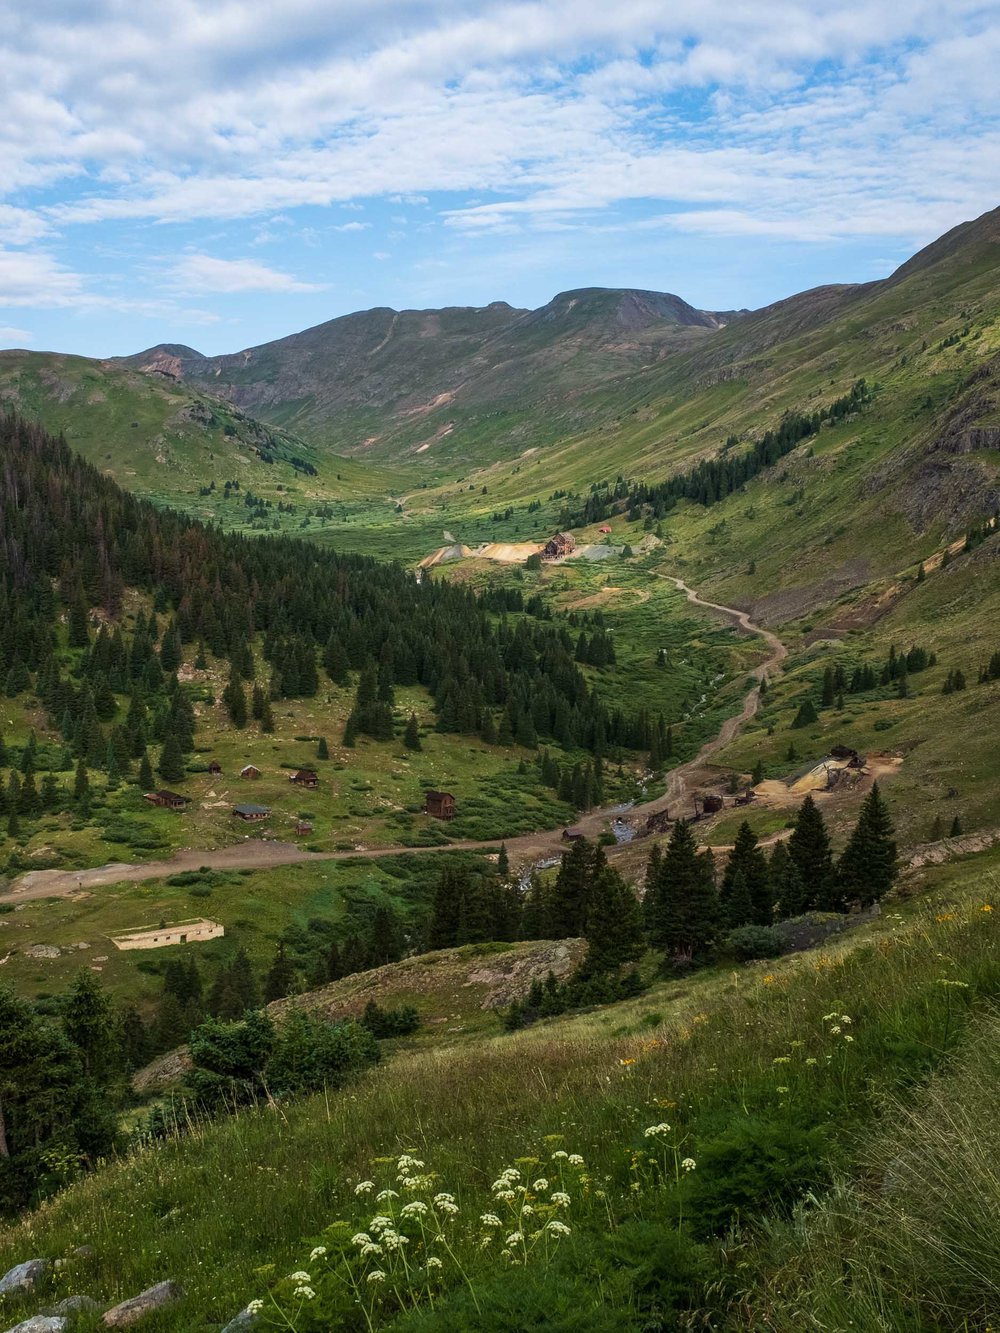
x: 764, y: 1079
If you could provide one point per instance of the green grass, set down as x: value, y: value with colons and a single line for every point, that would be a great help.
x: 235, y: 1205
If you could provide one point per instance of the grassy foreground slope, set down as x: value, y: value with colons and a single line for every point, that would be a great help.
x: 763, y: 1079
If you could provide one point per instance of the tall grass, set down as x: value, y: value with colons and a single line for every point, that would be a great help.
x: 747, y: 1068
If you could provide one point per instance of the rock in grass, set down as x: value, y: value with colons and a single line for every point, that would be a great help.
x: 23, y: 1276
x: 76, y: 1305
x: 155, y: 1298
x: 243, y: 1323
x: 41, y: 1323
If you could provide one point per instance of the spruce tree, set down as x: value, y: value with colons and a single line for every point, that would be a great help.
x: 503, y: 862
x: 613, y: 929
x: 81, y: 782
x: 748, y: 860
x: 145, y: 778
x: 809, y: 848
x: 867, y: 868
x: 171, y: 765
x: 684, y: 912
x: 280, y: 980
x: 956, y: 828
x: 786, y: 885
x: 411, y: 736
x: 322, y: 749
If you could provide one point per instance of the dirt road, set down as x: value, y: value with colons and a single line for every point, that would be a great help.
x: 257, y: 854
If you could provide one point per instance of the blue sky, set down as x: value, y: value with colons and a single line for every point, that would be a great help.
x: 224, y: 173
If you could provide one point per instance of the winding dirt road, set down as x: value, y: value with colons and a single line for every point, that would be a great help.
x: 256, y: 854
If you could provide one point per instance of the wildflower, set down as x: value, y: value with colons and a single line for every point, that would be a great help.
x: 407, y: 1163
x: 986, y: 907
x: 515, y: 1238
x: 827, y: 1017
x: 942, y: 917
x: 848, y: 1037
x: 490, y: 1220
x: 299, y: 1277
x: 434, y: 1262
x: 556, y: 1228
x: 386, y: 1194
x: 445, y: 1203
x: 413, y: 1209
x: 688, y: 1164
x: 845, y: 1018
x: 781, y: 1060
x: 781, y: 1089
x: 575, y: 1159
x: 540, y: 1185
x: 305, y: 1293
x: 392, y: 1240
x: 506, y: 1195
x: 365, y: 1187
x: 362, y: 1238
x: 255, y: 1307
x: 812, y: 1060
x: 835, y: 1030
x: 317, y: 1253
x: 368, y: 1250
x: 560, y: 1156
x: 376, y: 1275
x: 527, y: 1210
x: 560, y: 1199
x: 628, y: 1062
x: 380, y: 1223
x: 657, y: 1131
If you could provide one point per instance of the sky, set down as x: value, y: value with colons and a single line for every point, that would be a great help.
x: 220, y: 174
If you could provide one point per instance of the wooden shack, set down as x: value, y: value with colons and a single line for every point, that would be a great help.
x: 250, y: 771
x: 563, y: 543
x: 305, y: 777
x: 253, y: 814
x: 302, y: 828
x: 572, y: 834
x: 167, y: 800
x: 440, y: 804
x: 712, y: 804
x: 215, y: 768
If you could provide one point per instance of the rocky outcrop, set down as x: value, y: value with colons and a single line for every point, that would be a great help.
x: 22, y: 1277
x: 154, y: 1298
x: 41, y: 1323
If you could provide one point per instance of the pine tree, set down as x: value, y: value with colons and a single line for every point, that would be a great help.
x: 684, y: 911
x: 956, y: 828
x: 322, y: 749
x: 806, y: 715
x: 809, y: 848
x: 737, y: 907
x: 443, y: 929
x: 280, y: 980
x: 747, y: 861
x: 613, y: 929
x: 570, y: 892
x: 386, y: 944
x: 503, y: 862
x: 867, y: 868
x: 81, y: 782
x: 171, y: 765
x: 411, y: 736
x: 146, y: 778
x: 88, y: 1021
x: 786, y: 885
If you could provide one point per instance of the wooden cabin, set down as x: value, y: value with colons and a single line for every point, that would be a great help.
x: 253, y: 814
x: 250, y: 771
x: 167, y: 800
x: 305, y: 777
x: 712, y: 804
x: 440, y: 804
x: 573, y: 834
x: 302, y: 828
x: 215, y: 768
x: 563, y: 543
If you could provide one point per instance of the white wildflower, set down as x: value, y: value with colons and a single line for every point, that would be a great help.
x: 408, y: 1163
x: 445, y: 1203
x: 835, y: 1030
x: 688, y: 1164
x: 368, y: 1250
x: 299, y: 1277
x: 317, y: 1253
x: 557, y: 1228
x: 255, y: 1307
x: 365, y: 1187
x: 560, y: 1156
x: 414, y: 1208
x: 490, y: 1220
x: 575, y: 1159
x: 527, y: 1210
x: 657, y: 1131
x: 515, y: 1238
x: 376, y: 1275
x: 386, y: 1194
x: 434, y: 1262
x: 362, y: 1237
x: 540, y: 1185
x: 379, y: 1223
x: 305, y: 1293
x: 506, y: 1195
x: 560, y: 1198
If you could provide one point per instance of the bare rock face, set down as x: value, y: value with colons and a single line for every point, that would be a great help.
x: 155, y: 1298
x: 23, y: 1276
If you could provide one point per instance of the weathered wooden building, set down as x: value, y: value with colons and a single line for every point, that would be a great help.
x: 253, y: 814
x: 440, y: 804
x: 563, y: 543
x: 305, y: 777
x: 250, y: 771
x: 167, y: 800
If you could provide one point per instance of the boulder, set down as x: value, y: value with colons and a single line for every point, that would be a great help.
x: 41, y: 1323
x: 23, y: 1276
x: 154, y: 1298
x: 76, y: 1305
x: 243, y: 1323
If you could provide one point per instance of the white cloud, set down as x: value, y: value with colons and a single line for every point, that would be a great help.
x: 11, y: 337
x: 353, y: 226
x: 203, y: 273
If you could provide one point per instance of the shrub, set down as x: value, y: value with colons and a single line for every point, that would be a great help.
x: 749, y: 942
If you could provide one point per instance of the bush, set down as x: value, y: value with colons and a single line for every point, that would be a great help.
x: 746, y: 943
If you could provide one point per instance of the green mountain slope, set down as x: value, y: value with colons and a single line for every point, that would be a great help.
x: 445, y: 383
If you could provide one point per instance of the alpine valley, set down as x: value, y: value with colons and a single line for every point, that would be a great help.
x: 500, y: 821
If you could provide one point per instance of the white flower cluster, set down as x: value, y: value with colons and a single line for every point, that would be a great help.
x: 659, y: 1131
x: 445, y: 1203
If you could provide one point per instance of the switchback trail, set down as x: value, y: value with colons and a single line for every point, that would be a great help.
x: 255, y: 854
